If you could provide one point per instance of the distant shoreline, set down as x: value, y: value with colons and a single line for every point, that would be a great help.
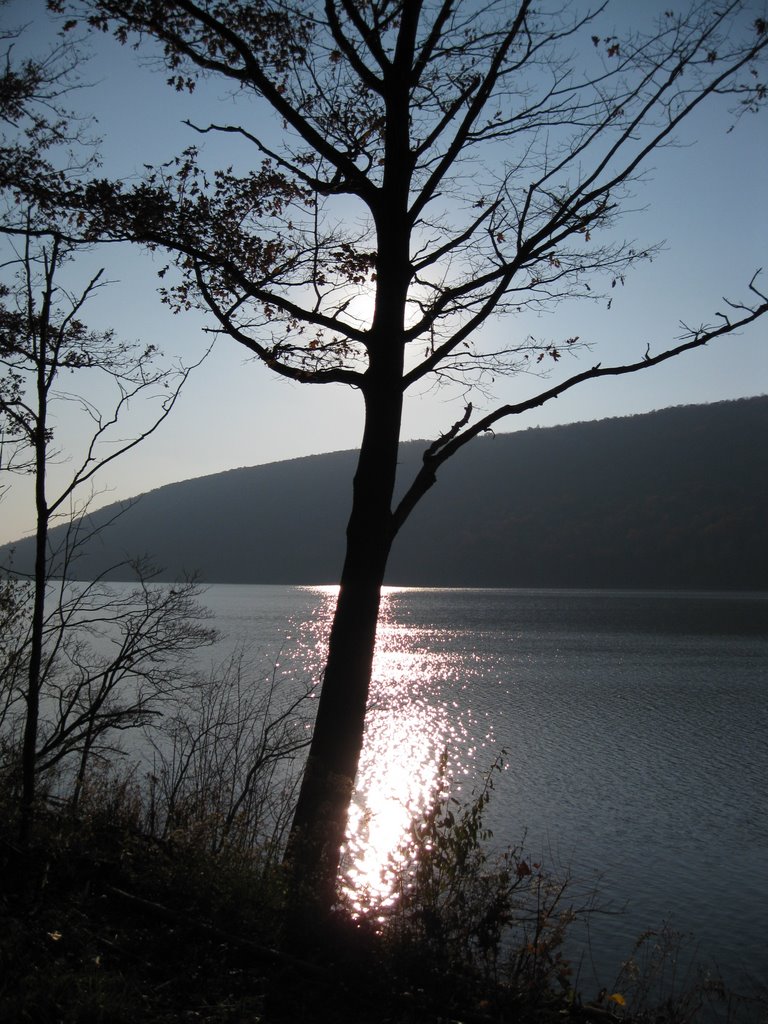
x: 670, y: 500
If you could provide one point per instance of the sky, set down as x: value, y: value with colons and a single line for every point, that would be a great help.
x: 704, y: 199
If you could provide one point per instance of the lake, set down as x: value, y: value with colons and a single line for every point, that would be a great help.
x: 634, y: 727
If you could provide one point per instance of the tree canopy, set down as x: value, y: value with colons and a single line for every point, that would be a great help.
x: 504, y: 143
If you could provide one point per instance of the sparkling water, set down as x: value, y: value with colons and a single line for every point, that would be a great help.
x: 634, y: 727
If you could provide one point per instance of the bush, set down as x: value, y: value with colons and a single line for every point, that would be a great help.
x: 470, y: 924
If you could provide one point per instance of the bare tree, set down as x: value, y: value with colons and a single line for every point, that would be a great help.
x: 463, y: 162
x: 46, y: 352
x: 116, y: 659
x: 227, y: 759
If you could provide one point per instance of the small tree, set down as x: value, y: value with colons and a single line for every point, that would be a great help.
x: 461, y: 161
x: 120, y: 661
x: 227, y: 759
x: 83, y: 663
x: 43, y: 341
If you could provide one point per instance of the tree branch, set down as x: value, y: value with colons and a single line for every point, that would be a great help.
x: 332, y: 376
x: 440, y: 451
x: 253, y: 72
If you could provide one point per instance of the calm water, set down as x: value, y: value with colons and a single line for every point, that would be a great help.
x: 634, y: 726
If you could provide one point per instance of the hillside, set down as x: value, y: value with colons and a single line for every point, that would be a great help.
x: 676, y: 498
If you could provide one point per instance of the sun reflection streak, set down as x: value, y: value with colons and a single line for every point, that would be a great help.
x: 407, y: 730
x: 398, y: 774
x: 414, y: 717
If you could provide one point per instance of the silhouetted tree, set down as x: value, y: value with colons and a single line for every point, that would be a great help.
x: 460, y: 161
x: 82, y: 663
x: 43, y: 343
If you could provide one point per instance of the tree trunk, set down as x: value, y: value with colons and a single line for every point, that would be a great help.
x: 45, y: 367
x: 320, y: 820
x: 29, y: 743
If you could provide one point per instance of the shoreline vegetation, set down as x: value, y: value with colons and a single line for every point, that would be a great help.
x: 117, y: 912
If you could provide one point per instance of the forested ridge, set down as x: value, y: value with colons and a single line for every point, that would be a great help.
x: 674, y: 498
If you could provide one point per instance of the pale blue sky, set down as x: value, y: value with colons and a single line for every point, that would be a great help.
x: 706, y: 199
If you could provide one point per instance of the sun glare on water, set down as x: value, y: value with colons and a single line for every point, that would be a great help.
x: 397, y: 778
x: 417, y: 743
x: 407, y: 731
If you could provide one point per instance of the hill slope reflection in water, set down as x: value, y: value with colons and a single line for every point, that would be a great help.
x: 634, y: 725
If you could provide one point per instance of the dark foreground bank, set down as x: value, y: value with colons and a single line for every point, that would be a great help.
x: 101, y: 921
